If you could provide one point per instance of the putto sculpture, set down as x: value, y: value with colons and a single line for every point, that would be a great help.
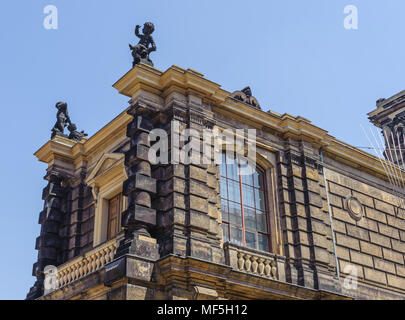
x: 74, y: 134
x: 63, y: 120
x: 145, y: 46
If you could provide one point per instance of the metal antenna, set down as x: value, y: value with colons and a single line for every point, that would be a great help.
x: 386, y: 168
x: 395, y: 167
x: 390, y: 171
x: 393, y: 171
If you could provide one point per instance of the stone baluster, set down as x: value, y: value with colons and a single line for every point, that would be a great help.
x: 254, y: 264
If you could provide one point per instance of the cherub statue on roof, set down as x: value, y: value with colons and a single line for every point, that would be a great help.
x: 145, y: 46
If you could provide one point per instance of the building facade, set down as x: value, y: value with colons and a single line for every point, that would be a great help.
x: 316, y: 219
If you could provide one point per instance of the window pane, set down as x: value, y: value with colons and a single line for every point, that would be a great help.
x: 247, y: 171
x: 224, y: 210
x: 250, y: 240
x: 261, y: 221
x: 232, y: 168
x: 248, y: 197
x: 250, y: 218
x: 253, y: 228
x: 222, y: 166
x: 235, y: 213
x: 223, y: 188
x: 234, y: 191
x: 259, y: 199
x: 257, y: 180
x: 225, y: 232
x: 263, y: 242
x: 236, y: 236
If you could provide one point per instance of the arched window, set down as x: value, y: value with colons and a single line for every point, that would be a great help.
x: 243, y: 204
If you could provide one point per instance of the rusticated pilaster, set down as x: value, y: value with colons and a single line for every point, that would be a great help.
x: 305, y: 225
x: 188, y: 220
x: 139, y: 218
x: 137, y: 252
x: 49, y: 242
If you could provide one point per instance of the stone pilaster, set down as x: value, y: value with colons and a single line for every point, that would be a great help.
x: 49, y: 242
x: 304, y: 223
x: 138, y: 250
x: 77, y: 224
x: 188, y: 202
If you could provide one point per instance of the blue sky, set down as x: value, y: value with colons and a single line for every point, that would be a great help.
x: 295, y: 55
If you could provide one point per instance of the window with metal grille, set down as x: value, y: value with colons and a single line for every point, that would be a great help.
x: 243, y: 204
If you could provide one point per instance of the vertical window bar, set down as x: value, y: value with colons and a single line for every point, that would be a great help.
x: 262, y: 179
x: 241, y: 201
x: 228, y: 224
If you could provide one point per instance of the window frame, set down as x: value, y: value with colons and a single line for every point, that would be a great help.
x: 267, y: 211
x: 119, y: 213
x: 106, y: 180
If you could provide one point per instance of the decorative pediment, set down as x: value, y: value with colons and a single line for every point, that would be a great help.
x: 245, y: 96
x: 110, y: 167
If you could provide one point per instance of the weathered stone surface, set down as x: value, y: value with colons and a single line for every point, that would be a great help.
x: 362, y: 259
x: 371, y: 249
x: 380, y: 240
x: 376, y: 215
x: 347, y: 242
x: 357, y: 232
x: 393, y: 256
x: 396, y: 282
x: 139, y: 214
x: 139, y: 182
x: 388, y: 231
x: 374, y: 275
x: 383, y: 265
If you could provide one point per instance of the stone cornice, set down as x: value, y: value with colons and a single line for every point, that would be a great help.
x: 178, y: 79
x: 86, y: 150
x: 387, y: 107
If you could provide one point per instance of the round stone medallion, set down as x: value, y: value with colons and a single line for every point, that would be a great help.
x: 355, y: 208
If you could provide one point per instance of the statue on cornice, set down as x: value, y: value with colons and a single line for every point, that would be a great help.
x: 145, y: 46
x: 63, y: 121
x: 245, y: 96
x: 74, y: 134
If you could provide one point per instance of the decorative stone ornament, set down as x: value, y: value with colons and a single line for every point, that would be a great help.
x: 245, y: 96
x: 355, y: 208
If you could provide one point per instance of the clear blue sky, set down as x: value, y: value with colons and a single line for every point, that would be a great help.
x: 295, y: 55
